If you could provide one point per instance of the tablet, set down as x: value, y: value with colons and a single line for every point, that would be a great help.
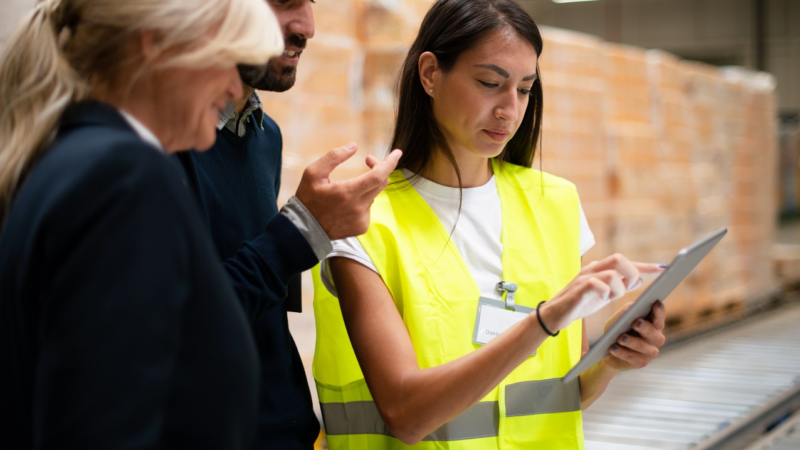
x: 687, y: 259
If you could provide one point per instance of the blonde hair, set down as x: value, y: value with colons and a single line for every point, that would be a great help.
x: 63, y: 49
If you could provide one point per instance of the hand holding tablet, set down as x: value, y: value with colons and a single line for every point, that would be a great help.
x: 685, y: 262
x: 597, y: 284
x: 635, y: 348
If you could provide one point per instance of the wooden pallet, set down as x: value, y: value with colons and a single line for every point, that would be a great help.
x: 707, y: 317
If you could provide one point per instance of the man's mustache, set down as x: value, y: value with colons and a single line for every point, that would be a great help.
x: 295, y: 40
x: 251, y: 75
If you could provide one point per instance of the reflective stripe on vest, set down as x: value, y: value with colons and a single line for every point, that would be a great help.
x: 481, y: 420
x: 437, y: 299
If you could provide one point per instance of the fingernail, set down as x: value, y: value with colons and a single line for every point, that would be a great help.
x: 614, y: 348
x: 637, y: 284
x: 639, y: 325
x: 660, y: 304
x: 624, y: 339
x: 663, y: 266
x: 350, y: 146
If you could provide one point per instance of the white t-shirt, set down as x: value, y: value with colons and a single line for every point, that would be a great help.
x: 476, y: 235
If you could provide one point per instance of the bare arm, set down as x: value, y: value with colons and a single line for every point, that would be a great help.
x: 414, y: 402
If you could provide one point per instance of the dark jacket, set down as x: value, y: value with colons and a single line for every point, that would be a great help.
x: 237, y: 184
x: 118, y: 326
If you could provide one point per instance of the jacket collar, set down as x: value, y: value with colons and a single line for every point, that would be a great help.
x: 93, y: 113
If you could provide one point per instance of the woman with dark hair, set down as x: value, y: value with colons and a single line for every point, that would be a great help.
x: 458, y: 312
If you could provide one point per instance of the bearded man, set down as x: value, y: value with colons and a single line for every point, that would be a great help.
x: 263, y: 249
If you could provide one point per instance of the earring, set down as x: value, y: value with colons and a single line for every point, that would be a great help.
x: 430, y: 90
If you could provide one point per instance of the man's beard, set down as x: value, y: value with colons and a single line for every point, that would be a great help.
x: 273, y: 76
x: 269, y: 77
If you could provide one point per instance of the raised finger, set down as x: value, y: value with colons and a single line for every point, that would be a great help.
x: 322, y: 167
x: 371, y: 161
x: 379, y: 173
x: 649, y: 267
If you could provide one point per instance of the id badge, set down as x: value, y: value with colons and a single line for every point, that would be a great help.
x: 493, y: 319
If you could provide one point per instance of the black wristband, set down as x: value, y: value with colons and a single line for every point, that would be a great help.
x: 546, y: 330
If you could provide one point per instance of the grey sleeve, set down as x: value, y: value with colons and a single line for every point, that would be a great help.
x: 308, y: 226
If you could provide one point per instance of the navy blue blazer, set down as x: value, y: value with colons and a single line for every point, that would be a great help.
x: 118, y: 325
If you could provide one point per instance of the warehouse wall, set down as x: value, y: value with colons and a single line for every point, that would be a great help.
x: 720, y: 32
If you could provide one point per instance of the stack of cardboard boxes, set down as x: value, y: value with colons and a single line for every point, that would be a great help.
x: 711, y: 106
x: 676, y: 196
x: 755, y: 181
x: 677, y: 150
x: 574, y: 140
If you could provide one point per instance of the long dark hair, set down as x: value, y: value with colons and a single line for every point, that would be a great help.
x: 450, y: 28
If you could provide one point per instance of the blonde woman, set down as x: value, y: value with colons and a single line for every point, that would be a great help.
x: 118, y: 327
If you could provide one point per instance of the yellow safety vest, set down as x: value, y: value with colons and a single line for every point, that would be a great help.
x: 437, y: 298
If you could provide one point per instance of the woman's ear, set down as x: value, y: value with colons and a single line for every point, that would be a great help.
x: 429, y: 71
x: 149, y: 45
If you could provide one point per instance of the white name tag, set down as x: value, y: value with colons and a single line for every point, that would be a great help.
x: 493, y: 319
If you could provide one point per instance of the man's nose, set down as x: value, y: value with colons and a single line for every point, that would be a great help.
x: 303, y: 21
